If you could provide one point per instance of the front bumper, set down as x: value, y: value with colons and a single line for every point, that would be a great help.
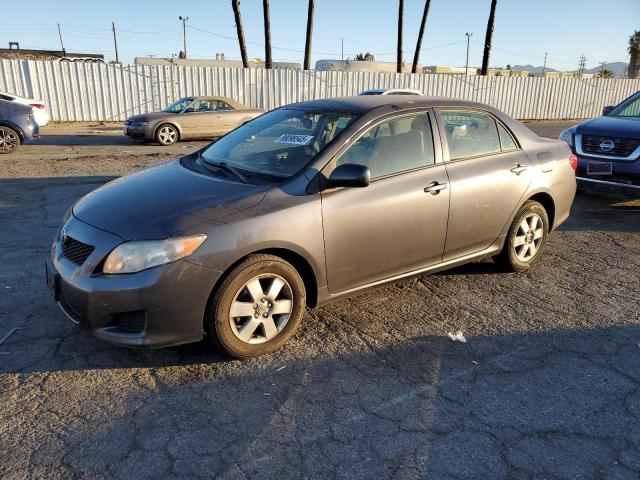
x: 157, y: 307
x: 620, y: 169
x: 138, y: 132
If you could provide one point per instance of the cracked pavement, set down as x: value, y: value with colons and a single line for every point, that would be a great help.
x: 546, y: 387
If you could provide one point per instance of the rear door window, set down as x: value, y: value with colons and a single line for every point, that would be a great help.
x: 506, y: 140
x: 470, y: 134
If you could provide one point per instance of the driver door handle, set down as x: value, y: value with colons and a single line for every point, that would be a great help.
x: 434, y: 187
x: 518, y: 168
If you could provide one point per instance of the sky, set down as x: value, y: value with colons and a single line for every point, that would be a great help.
x: 524, y: 29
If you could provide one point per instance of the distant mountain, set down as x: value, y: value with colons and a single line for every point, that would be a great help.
x: 532, y: 69
x: 619, y: 69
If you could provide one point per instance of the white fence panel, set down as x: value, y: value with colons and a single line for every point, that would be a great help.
x: 83, y: 91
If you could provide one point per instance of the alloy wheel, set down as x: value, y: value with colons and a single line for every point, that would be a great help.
x: 261, y: 308
x: 167, y: 135
x: 529, y: 237
x: 8, y: 140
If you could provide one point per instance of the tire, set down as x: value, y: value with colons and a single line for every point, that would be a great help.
x: 167, y: 134
x: 265, y: 322
x: 522, y: 250
x: 9, y: 140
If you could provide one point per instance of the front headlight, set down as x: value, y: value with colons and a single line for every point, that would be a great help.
x: 567, y: 136
x: 131, y: 257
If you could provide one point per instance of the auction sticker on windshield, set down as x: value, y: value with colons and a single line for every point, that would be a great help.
x: 293, y: 139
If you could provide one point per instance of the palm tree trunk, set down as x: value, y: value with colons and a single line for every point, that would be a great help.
x: 488, y: 38
x: 414, y: 67
x: 307, y: 44
x: 243, y: 46
x: 267, y: 34
x: 399, y: 59
x: 634, y: 52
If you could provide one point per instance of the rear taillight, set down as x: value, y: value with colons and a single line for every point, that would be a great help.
x: 37, y: 105
x: 573, y: 161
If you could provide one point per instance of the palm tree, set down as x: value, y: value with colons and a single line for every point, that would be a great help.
x: 487, y: 39
x: 307, y: 45
x: 400, y: 13
x: 634, y: 51
x: 243, y: 47
x: 267, y: 34
x: 420, y: 34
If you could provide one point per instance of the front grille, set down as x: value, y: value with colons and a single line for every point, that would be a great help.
x: 622, y: 147
x: 75, y: 251
x: 129, y: 322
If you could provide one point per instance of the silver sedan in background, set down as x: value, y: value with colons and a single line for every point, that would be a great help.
x: 190, y: 118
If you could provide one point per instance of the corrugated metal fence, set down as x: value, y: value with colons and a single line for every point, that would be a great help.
x: 84, y: 91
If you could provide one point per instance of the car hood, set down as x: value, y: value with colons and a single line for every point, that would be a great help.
x: 626, y: 127
x: 159, y: 201
x: 149, y: 117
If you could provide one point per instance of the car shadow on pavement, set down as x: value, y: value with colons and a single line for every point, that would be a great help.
x: 560, y: 403
x: 85, y: 140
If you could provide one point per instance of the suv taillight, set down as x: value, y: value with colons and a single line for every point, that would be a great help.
x: 37, y: 105
x: 573, y: 161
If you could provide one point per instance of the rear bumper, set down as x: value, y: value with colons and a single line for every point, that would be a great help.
x: 157, y: 307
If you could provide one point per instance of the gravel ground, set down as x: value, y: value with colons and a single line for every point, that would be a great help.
x: 547, y: 385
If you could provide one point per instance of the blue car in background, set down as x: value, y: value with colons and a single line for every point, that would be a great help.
x: 608, y: 147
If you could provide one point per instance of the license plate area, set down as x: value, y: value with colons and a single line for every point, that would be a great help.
x: 53, y: 282
x: 599, y: 168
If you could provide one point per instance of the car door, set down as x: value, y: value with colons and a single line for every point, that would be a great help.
x: 488, y: 175
x: 201, y: 119
x: 231, y: 118
x: 397, y: 223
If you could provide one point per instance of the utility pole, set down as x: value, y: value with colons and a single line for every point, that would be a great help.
x: 466, y: 65
x: 64, y: 52
x: 115, y: 42
x: 544, y: 67
x: 342, y: 49
x: 582, y: 62
x: 184, y: 33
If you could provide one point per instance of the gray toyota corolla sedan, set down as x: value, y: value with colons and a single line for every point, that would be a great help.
x: 306, y: 204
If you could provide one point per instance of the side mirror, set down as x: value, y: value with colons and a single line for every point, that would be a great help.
x: 606, y: 110
x: 350, y: 175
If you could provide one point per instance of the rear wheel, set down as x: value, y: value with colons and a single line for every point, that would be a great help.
x: 526, y: 238
x: 257, y: 308
x: 166, y: 134
x: 9, y: 140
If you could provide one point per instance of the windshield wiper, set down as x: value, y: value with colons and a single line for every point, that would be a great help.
x: 224, y: 166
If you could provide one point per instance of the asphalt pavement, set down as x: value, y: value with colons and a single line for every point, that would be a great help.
x: 547, y: 385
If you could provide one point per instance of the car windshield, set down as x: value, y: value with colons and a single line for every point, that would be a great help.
x: 630, y: 108
x: 178, y: 106
x: 278, y: 144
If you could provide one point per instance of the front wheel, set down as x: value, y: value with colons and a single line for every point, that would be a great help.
x: 257, y: 308
x: 9, y: 140
x: 526, y: 238
x: 167, y: 134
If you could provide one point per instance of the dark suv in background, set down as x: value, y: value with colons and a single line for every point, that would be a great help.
x: 608, y: 147
x: 16, y: 125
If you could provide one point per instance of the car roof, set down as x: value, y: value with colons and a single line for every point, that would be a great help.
x: 365, y: 103
x: 387, y: 91
x: 230, y: 101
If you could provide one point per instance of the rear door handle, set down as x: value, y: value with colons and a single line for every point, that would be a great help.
x: 518, y: 168
x: 434, y: 188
